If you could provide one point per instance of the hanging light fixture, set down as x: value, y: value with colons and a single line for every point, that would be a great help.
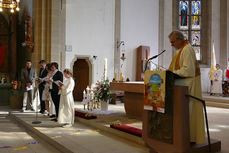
x: 12, y: 5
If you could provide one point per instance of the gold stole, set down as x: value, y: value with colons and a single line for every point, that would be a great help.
x: 175, y: 64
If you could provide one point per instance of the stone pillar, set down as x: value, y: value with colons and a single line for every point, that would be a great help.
x: 166, y: 18
x: 161, y: 30
x: 223, y: 34
x: 206, y: 35
x: 12, y: 56
x: 227, y: 30
x: 117, y: 36
x: 49, y: 31
x: 39, y: 31
x: 58, y: 32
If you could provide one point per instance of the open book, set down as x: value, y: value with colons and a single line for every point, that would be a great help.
x: 58, y: 82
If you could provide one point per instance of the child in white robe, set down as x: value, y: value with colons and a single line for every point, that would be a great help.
x: 66, y: 109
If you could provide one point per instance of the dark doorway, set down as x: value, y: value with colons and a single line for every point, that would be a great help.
x: 81, y: 77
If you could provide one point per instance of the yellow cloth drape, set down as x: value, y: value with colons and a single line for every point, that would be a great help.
x: 175, y: 64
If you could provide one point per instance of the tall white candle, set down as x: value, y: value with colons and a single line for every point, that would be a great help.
x: 105, y: 68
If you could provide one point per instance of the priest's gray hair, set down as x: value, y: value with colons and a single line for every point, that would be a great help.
x: 177, y: 35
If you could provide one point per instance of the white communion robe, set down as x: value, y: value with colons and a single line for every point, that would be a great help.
x: 187, y: 69
x: 217, y: 85
x: 66, y: 108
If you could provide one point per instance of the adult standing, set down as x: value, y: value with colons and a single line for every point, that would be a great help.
x: 66, y: 109
x: 46, y: 96
x: 57, y: 77
x: 42, y: 74
x: 28, y: 76
x: 184, y: 64
x: 217, y: 80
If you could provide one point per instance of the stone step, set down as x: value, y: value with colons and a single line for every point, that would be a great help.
x: 76, y: 139
x: 217, y: 104
x: 112, y: 131
x: 18, y: 139
x: 30, y: 129
x: 216, y: 99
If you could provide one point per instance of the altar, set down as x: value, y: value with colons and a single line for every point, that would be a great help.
x: 133, y: 96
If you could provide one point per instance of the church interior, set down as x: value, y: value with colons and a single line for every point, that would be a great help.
x: 110, y: 48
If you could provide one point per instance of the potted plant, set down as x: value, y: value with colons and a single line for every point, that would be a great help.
x: 102, y: 93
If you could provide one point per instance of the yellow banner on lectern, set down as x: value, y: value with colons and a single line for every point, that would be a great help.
x: 154, y: 95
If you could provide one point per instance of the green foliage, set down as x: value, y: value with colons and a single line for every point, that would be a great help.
x: 102, y: 90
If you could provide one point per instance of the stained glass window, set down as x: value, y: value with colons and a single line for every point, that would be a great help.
x: 183, y: 11
x: 195, y: 7
x: 185, y: 34
x: 195, y: 38
x: 190, y: 23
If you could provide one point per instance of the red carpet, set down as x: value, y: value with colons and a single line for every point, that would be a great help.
x: 128, y: 129
x: 85, y: 115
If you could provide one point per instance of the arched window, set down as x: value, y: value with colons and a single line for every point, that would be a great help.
x: 190, y: 17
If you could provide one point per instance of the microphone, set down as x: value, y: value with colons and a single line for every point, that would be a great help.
x: 152, y: 58
x: 156, y: 55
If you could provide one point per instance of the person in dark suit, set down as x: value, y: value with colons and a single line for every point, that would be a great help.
x: 57, y: 77
x: 28, y: 76
x: 43, y: 73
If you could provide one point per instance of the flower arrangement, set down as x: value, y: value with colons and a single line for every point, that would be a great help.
x: 102, y: 91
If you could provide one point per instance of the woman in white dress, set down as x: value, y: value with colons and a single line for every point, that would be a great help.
x: 66, y: 109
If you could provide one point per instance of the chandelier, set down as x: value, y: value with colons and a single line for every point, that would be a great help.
x: 9, y: 4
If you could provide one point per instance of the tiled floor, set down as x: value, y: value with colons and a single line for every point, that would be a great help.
x: 15, y: 139
x: 219, y: 126
x: 84, y: 139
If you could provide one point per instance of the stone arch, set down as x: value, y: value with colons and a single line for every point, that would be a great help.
x: 81, y: 66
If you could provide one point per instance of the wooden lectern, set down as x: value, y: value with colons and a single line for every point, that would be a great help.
x: 168, y: 132
x: 143, y: 53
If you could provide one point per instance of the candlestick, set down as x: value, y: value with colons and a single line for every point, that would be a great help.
x: 105, y: 68
x: 116, y: 76
x: 121, y: 77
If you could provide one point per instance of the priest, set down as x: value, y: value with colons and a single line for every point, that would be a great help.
x: 184, y: 64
